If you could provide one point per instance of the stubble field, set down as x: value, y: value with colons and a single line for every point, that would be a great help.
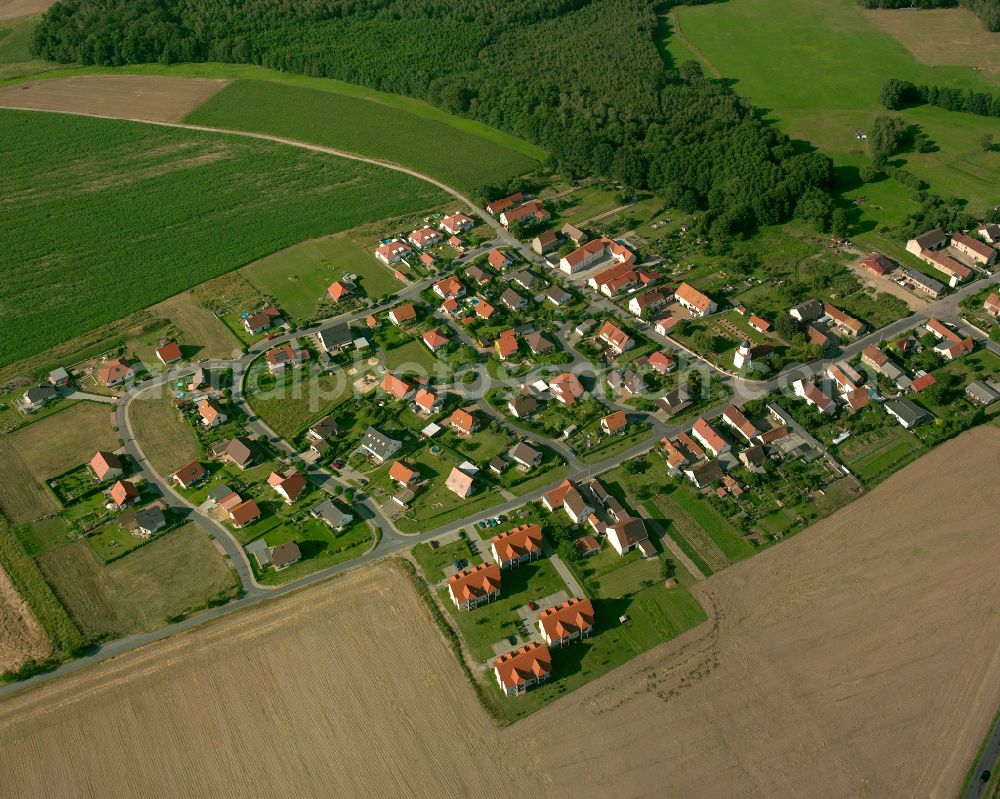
x: 858, y: 659
x: 346, y: 690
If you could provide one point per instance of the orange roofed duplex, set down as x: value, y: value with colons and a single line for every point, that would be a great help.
x: 568, y: 622
x: 520, y: 545
x: 517, y: 671
x: 473, y: 587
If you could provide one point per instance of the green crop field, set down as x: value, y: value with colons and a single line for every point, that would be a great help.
x: 298, y: 277
x: 456, y: 157
x: 103, y: 218
x: 823, y: 82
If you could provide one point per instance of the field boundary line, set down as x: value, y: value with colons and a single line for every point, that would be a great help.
x: 675, y: 19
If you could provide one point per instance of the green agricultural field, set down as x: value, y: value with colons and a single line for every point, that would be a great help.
x: 120, y: 215
x: 15, y: 39
x: 823, y: 82
x: 361, y: 126
x: 298, y: 277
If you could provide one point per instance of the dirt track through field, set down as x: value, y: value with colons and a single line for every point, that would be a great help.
x: 21, y: 636
x: 859, y: 658
x: 153, y: 98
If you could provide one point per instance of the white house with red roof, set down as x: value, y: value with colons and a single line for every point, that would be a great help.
x: 402, y: 314
x: 434, y: 340
x: 211, y: 415
x: 992, y: 305
x: 338, y: 290
x: 498, y: 206
x: 566, y: 388
x: 523, y: 544
x: 427, y: 402
x: 280, y: 358
x: 814, y: 396
x: 974, y: 249
x: 737, y: 420
x: 425, y: 237
x: 694, y: 301
x: 168, y: 353
x: 392, y: 252
x: 459, y: 482
x: 449, y: 288
x: 709, y: 437
x: 115, y: 372
x: 616, y: 339
x: 519, y: 670
x: 567, y: 622
x: 457, y: 223
x: 614, y: 423
x: 462, y: 422
x: 474, y: 586
x: 288, y: 486
x: 396, y: 387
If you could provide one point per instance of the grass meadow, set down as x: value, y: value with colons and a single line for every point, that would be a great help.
x: 359, y: 125
x: 824, y: 82
x: 103, y: 217
x: 298, y: 277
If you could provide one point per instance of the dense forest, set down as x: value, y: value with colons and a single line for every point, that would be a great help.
x: 583, y: 78
x: 987, y: 10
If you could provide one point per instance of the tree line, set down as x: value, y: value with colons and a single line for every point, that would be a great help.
x: 897, y: 93
x: 987, y: 10
x: 582, y: 78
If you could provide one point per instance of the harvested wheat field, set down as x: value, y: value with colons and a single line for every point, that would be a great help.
x: 345, y: 689
x: 21, y: 636
x: 154, y: 98
x: 861, y: 658
x: 945, y: 36
x: 19, y: 8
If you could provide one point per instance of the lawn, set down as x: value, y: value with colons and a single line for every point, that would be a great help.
x: 486, y: 625
x: 289, y: 408
x: 198, y: 330
x: 412, y: 357
x: 435, y: 504
x: 824, y: 82
x: 186, y: 205
x: 167, y: 578
x: 370, y: 128
x: 298, y: 277
x: 39, y: 537
x: 433, y: 561
x: 321, y: 547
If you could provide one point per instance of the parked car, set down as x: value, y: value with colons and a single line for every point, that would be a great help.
x: 460, y: 564
x: 533, y: 605
x: 434, y: 544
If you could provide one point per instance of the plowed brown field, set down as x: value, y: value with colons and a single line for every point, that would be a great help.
x: 154, y: 97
